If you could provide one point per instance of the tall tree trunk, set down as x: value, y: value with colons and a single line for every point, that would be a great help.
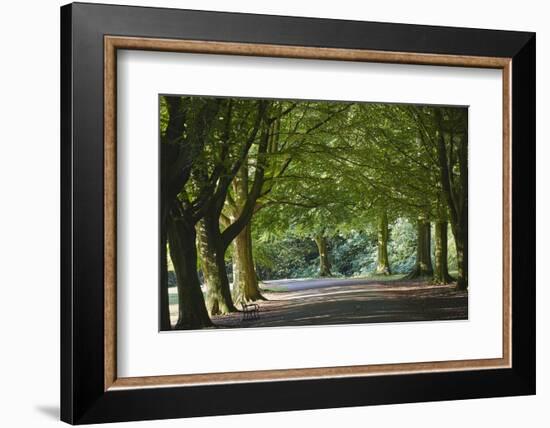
x: 213, y: 243
x: 164, y: 302
x: 423, y: 267
x: 192, y: 312
x: 245, y: 280
x: 212, y: 253
x: 383, y: 265
x: 324, y: 262
x: 426, y: 268
x: 441, y: 271
x: 455, y: 187
x: 460, y: 234
x: 461, y: 229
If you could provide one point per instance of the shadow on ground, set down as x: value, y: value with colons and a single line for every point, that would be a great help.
x: 367, y: 302
x: 50, y: 411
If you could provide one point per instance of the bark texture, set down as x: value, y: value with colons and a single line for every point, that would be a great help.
x: 192, y: 311
x: 177, y: 154
x: 452, y: 151
x: 423, y: 267
x: 461, y: 256
x: 164, y: 310
x: 212, y: 253
x: 383, y: 265
x: 213, y: 243
x: 324, y: 261
x: 441, y: 271
x: 245, y: 281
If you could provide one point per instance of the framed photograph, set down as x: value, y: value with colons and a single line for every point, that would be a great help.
x: 265, y: 213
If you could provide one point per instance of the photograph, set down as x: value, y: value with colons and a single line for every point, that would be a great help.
x: 289, y: 212
x: 263, y: 212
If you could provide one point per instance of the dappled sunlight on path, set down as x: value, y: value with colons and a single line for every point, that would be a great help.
x: 363, y: 302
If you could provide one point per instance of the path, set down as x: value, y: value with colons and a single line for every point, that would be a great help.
x: 350, y: 301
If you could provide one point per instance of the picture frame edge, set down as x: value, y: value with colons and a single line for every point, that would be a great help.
x: 83, y: 401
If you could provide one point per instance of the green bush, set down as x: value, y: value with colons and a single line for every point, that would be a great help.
x: 351, y: 254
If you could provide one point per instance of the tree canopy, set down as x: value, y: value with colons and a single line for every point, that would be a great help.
x: 260, y: 189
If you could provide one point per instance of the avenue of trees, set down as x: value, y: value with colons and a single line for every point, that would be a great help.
x: 246, y: 183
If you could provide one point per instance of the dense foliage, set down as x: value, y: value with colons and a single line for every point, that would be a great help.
x: 262, y: 189
x: 352, y: 255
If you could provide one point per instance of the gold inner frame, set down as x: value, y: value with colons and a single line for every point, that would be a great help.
x: 113, y: 43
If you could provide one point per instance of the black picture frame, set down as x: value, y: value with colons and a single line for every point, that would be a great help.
x: 83, y: 398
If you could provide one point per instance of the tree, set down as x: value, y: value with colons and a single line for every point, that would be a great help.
x: 178, y: 153
x: 423, y: 266
x: 446, y: 131
x: 324, y: 260
x: 184, y: 138
x: 245, y: 280
x: 383, y: 263
x: 441, y: 272
x: 298, y: 200
x: 420, y: 158
x: 452, y: 150
x: 214, y: 158
x: 382, y: 153
x: 172, y: 178
x: 242, y: 201
x: 245, y: 124
x: 191, y: 307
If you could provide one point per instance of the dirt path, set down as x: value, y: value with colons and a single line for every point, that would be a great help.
x: 321, y: 302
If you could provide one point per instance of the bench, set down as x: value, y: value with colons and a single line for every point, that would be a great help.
x: 251, y: 311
